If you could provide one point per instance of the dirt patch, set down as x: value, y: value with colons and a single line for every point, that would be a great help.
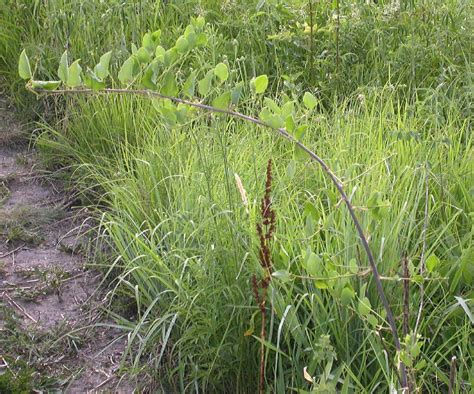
x: 53, y: 333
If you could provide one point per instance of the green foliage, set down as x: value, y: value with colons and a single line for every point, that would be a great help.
x: 204, y: 85
x: 74, y: 78
x: 309, y: 100
x: 24, y: 68
x: 260, y: 84
x: 47, y: 85
x: 63, y: 69
x: 391, y: 116
x: 11, y: 383
x: 129, y: 70
x: 221, y: 72
x: 101, y: 70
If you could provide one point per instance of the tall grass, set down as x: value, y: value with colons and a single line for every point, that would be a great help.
x: 394, y: 120
x: 188, y: 248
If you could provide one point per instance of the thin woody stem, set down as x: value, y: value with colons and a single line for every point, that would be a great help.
x: 313, y: 156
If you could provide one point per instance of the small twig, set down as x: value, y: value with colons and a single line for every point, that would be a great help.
x: 19, y: 307
x: 101, y: 384
x: 12, y: 251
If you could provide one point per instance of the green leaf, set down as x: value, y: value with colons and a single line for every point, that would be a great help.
x: 63, y: 71
x: 92, y: 82
x: 300, y: 132
x: 287, y: 109
x: 156, y: 35
x: 432, y: 262
x: 309, y: 226
x: 282, y: 275
x: 321, y: 284
x: 204, y: 84
x: 271, y: 119
x: 314, y: 265
x: 236, y: 93
x: 311, y: 210
x: 362, y: 290
x: 170, y: 56
x: 101, y: 70
x: 47, y: 85
x: 167, y: 110
x: 374, y: 200
x: 201, y: 39
x: 191, y: 36
x: 200, y: 22
x: 222, y: 101
x: 160, y: 53
x: 74, y: 75
x: 143, y: 55
x: 290, y: 124
x: 190, y: 85
x: 309, y: 100
x: 291, y: 169
x: 347, y: 295
x: 221, y: 72
x: 128, y: 70
x: 372, y: 319
x: 182, y: 45
x: 353, y: 267
x: 300, y: 154
x: 148, y: 42
x: 182, y: 112
x: 150, y: 76
x: 261, y: 84
x: 24, y: 68
x: 169, y: 116
x: 169, y: 86
x: 364, y: 306
x: 466, y: 264
x: 421, y: 364
x: 272, y: 105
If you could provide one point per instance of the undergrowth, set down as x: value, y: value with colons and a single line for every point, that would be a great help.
x: 179, y: 205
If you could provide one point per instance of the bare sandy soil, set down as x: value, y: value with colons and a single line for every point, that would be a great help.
x: 51, y: 315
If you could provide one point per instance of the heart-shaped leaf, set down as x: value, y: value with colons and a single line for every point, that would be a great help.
x: 24, y: 68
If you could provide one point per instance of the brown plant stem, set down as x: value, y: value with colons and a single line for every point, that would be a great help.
x: 262, y: 345
x: 313, y: 156
x: 265, y: 230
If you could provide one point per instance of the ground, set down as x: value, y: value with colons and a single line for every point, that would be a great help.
x: 53, y: 330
